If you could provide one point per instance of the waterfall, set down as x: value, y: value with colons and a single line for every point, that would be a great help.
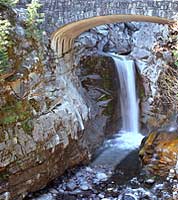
x: 128, y: 99
x: 123, y: 142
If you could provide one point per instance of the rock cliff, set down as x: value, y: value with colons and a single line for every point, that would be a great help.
x: 55, y: 112
x: 48, y: 121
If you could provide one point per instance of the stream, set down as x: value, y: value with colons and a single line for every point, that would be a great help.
x: 115, y: 172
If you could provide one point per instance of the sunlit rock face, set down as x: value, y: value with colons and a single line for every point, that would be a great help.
x: 42, y: 116
x: 159, y: 153
x: 49, y: 121
x: 158, y: 77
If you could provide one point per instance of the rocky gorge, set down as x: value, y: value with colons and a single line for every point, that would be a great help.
x: 55, y: 112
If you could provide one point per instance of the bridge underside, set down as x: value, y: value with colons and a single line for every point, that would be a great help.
x: 62, y: 39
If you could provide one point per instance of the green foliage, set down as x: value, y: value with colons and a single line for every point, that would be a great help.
x: 9, y: 2
x: 10, y: 119
x: 33, y: 15
x: 15, y: 111
x: 4, y: 176
x: 5, y: 42
x: 3, y: 60
x: 5, y: 28
x: 33, y: 20
x: 175, y: 41
x: 175, y: 53
x: 27, y: 126
x: 32, y: 30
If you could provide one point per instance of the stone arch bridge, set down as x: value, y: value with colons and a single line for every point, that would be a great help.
x: 59, y: 13
x: 62, y: 12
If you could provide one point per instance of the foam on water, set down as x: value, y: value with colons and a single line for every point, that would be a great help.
x: 125, y: 140
x: 129, y: 137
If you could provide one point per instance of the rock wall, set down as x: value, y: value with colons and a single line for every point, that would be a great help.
x: 42, y: 123
x: 152, y: 58
x: 159, y: 150
x: 48, y: 121
x: 157, y: 84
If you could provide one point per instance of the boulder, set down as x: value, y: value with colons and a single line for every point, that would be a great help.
x: 159, y: 152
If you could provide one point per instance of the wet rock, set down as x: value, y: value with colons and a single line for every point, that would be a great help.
x: 110, y: 189
x: 89, y: 169
x: 175, y: 192
x: 60, y: 190
x: 71, y: 185
x: 45, y: 197
x: 77, y: 191
x: 101, y: 176
x: 159, y: 152
x: 172, y: 174
x: 84, y: 187
x: 134, y: 181
x: 101, y: 196
x: 129, y: 197
x: 5, y: 196
x: 53, y: 191
x: 150, y: 181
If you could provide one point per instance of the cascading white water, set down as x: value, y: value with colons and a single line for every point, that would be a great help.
x: 128, y: 99
x: 129, y: 138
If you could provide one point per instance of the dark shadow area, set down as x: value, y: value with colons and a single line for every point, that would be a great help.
x: 100, y: 83
x: 128, y: 168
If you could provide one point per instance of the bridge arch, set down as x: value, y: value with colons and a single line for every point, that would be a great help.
x: 62, y: 39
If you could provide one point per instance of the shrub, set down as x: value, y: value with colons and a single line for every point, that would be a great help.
x: 32, y: 30
x: 33, y: 20
x: 175, y: 53
x: 5, y: 42
x: 174, y: 32
x: 9, y: 2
